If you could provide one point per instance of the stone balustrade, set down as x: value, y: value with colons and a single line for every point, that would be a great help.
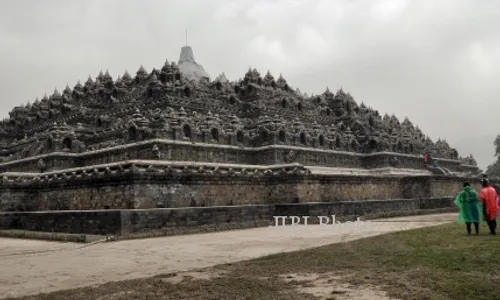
x: 177, y: 150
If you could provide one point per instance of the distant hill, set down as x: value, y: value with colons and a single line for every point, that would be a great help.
x: 481, y: 147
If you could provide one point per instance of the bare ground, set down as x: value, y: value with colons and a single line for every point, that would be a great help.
x: 31, y: 267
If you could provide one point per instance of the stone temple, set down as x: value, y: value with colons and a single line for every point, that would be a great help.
x: 170, y: 148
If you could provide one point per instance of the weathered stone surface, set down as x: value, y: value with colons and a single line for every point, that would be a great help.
x: 189, y: 67
x: 89, y: 222
x: 161, y: 149
x: 126, y: 222
x: 254, y: 112
x: 156, y: 184
x: 162, y: 142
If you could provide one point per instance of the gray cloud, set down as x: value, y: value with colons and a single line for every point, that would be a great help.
x: 433, y: 61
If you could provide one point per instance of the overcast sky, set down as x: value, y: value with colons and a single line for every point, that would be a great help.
x: 437, y: 62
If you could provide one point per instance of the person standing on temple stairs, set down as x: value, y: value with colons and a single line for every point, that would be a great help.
x: 489, y: 198
x: 470, y: 208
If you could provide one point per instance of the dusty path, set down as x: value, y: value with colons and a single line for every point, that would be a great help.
x: 30, y: 267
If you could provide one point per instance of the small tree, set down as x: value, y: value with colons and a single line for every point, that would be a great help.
x: 493, y: 170
x: 497, y: 145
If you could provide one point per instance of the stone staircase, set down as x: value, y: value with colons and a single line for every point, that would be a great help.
x: 440, y: 171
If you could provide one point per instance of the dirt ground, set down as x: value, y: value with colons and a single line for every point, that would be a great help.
x: 31, y: 267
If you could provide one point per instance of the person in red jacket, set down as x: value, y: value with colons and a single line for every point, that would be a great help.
x: 489, y: 197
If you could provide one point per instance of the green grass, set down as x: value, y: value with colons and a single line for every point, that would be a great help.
x: 432, y: 263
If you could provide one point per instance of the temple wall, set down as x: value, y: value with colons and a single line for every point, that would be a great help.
x: 81, y: 221
x: 14, y: 198
x: 317, y: 157
x: 440, y: 187
x: 147, y: 197
x: 197, y: 152
x: 120, y: 196
x: 348, y: 188
x: 143, y: 195
x: 146, y: 186
x: 199, y: 192
x: 161, y: 221
x: 378, y: 160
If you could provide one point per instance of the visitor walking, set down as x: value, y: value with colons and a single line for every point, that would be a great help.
x: 435, y: 163
x: 470, y: 208
x: 489, y: 199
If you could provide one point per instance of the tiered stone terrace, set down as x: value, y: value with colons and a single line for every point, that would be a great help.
x: 158, y: 141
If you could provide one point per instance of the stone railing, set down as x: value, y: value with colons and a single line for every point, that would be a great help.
x: 174, y: 150
x: 380, y: 159
x: 134, y: 167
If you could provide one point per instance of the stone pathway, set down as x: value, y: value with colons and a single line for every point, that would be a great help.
x: 30, y: 267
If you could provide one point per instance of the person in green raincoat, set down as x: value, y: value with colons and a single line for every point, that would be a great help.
x: 470, y: 208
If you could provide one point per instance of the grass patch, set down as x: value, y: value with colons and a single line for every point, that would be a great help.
x: 431, y: 263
